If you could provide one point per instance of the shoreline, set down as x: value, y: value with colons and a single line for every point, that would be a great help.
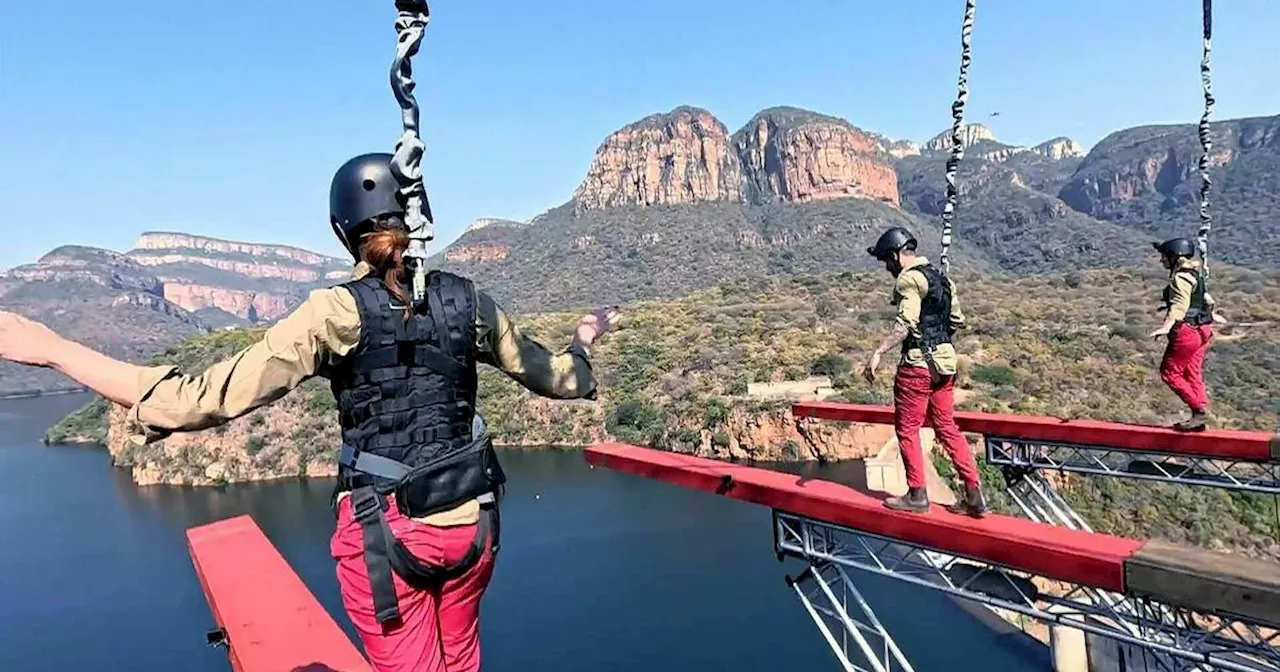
x: 35, y: 394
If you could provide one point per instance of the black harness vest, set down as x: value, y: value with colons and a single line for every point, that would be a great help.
x: 1198, y: 313
x: 935, y: 313
x: 406, y: 403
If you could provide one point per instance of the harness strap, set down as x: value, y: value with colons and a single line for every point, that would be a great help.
x: 369, y: 463
x: 384, y: 553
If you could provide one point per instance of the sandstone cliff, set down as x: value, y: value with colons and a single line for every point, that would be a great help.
x: 1147, y: 178
x: 783, y: 154
x: 160, y: 240
x: 683, y: 156
x: 793, y: 155
x: 970, y: 134
x: 255, y: 282
x: 1058, y: 149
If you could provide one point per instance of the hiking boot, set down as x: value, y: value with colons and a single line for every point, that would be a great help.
x: 973, y: 504
x: 916, y: 501
x: 1195, y: 424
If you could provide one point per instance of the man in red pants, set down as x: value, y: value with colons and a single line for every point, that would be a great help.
x: 1188, y: 325
x: 923, y: 387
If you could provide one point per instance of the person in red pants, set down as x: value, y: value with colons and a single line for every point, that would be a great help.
x: 1188, y: 327
x: 925, y: 381
x: 419, y: 483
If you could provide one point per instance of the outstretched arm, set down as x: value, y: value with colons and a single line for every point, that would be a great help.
x: 563, y: 375
x: 28, y: 342
x: 162, y: 399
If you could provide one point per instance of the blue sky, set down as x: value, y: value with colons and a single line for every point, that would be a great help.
x: 227, y: 118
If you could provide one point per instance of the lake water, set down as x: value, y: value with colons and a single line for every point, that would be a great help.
x: 598, y: 571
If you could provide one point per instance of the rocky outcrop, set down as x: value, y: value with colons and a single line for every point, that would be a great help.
x: 778, y: 436
x: 797, y: 156
x: 75, y: 263
x: 783, y: 154
x: 486, y: 222
x: 479, y: 253
x: 970, y: 134
x: 247, y: 268
x: 1160, y: 161
x: 683, y: 156
x: 163, y: 240
x: 250, y: 305
x: 1059, y: 149
x: 252, y: 281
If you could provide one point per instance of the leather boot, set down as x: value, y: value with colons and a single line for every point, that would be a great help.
x: 916, y: 501
x: 1195, y: 424
x: 973, y: 504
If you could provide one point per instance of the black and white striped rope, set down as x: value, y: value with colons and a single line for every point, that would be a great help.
x: 1206, y: 140
x: 406, y: 164
x: 957, y: 144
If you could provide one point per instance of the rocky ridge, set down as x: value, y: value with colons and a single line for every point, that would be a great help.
x: 782, y: 154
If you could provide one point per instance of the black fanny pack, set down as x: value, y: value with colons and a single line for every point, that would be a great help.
x: 449, y: 479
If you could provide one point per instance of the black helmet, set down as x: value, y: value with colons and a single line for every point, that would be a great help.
x: 891, y: 241
x: 1176, y: 247
x: 363, y: 188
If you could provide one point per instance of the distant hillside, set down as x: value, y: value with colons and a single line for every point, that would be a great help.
x: 255, y: 282
x: 1146, y: 178
x: 673, y: 203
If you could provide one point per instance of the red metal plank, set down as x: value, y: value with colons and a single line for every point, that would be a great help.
x: 272, y: 621
x: 1211, y: 443
x: 1054, y: 552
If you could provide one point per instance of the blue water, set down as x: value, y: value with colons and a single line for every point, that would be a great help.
x: 598, y: 571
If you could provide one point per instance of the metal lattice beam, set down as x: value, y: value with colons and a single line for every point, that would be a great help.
x: 1239, y: 475
x: 1177, y: 639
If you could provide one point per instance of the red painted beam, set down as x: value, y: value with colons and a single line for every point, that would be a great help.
x: 1208, y: 582
x: 273, y: 623
x: 1054, y: 552
x: 1211, y: 443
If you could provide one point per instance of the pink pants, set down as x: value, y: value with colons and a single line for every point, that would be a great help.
x: 915, y: 400
x: 1183, y: 366
x: 439, y: 630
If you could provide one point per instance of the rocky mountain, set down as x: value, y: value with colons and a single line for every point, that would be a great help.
x: 234, y: 282
x: 673, y: 203
x: 93, y: 296
x: 1146, y: 178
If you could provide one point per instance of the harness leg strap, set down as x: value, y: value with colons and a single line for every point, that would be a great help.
x: 385, y: 554
x: 366, y: 506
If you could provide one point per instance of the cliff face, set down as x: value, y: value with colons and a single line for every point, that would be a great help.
x: 970, y: 134
x: 797, y: 156
x: 683, y: 156
x: 1147, y: 178
x: 205, y: 245
x: 782, y: 155
x: 255, y: 282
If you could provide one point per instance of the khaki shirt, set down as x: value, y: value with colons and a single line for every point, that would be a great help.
x: 323, y: 329
x: 1182, y: 286
x: 909, y: 290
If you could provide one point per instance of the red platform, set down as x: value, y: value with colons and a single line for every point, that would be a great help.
x: 1212, y: 443
x: 273, y: 623
x: 1193, y: 578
